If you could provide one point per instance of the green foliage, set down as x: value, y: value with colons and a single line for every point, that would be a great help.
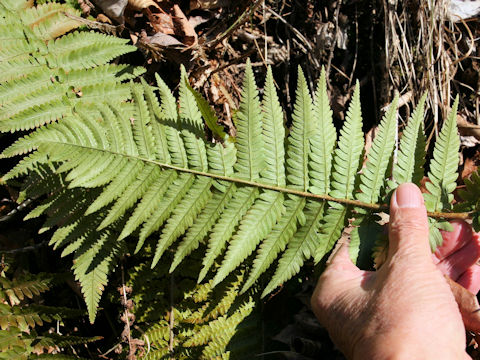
x: 118, y: 162
x: 22, y: 331
x: 202, y: 325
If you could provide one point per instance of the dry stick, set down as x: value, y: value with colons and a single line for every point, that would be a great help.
x: 171, y: 322
x: 235, y: 25
x: 332, y: 50
x: 127, y: 319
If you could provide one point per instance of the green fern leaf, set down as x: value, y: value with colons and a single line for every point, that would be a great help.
x: 203, y: 224
x: 298, y: 140
x: 83, y: 50
x: 273, y: 134
x: 193, y: 132
x: 149, y: 202
x: 255, y: 225
x: 444, y: 165
x: 249, y: 141
x: 141, y: 132
x: 135, y: 191
x: 374, y: 174
x: 242, y: 200
x: 168, y: 115
x: 346, y: 161
x: 208, y: 113
x: 173, y: 196
x: 323, y: 141
x: 158, y: 129
x: 183, y: 215
x: 92, y: 265
x: 123, y: 180
x: 300, y: 248
x: 411, y: 155
x: 277, y: 239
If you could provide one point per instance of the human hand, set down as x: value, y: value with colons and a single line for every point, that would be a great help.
x: 405, y: 310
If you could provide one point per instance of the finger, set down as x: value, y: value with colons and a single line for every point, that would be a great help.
x: 340, y: 259
x: 408, y: 227
x: 457, y: 263
x: 453, y: 240
x: 470, y: 279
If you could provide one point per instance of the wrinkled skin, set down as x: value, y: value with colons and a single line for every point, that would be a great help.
x: 405, y: 310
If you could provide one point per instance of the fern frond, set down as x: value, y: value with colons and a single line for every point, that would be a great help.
x: 192, y: 124
x: 123, y: 180
x: 203, y: 223
x: 299, y: 138
x: 323, y: 141
x: 347, y: 155
x: 158, y: 129
x: 141, y: 132
x: 374, y: 173
x: 208, y: 113
x: 183, y: 215
x: 301, y: 246
x: 273, y: 134
x: 254, y: 226
x: 174, y: 195
x: 249, y: 141
x: 444, y: 165
x: 277, y: 239
x: 242, y: 200
x: 411, y: 154
x: 49, y: 21
x: 18, y: 290
x: 346, y: 161
x: 130, y: 195
x: 149, y: 202
x: 83, y: 50
x: 92, y: 264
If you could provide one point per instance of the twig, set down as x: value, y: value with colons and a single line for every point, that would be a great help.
x: 332, y: 50
x: 12, y: 213
x: 235, y: 25
x: 24, y: 249
x: 171, y: 323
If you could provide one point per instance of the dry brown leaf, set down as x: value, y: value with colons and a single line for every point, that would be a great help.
x: 469, y: 167
x: 467, y: 129
x: 161, y: 22
x: 164, y: 40
x: 187, y: 30
x: 142, y: 4
x: 113, y: 8
x: 208, y: 4
x: 467, y: 304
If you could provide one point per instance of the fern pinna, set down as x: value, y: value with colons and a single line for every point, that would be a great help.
x: 21, y: 321
x: 142, y: 169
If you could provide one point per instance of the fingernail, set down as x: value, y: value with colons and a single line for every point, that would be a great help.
x: 408, y: 196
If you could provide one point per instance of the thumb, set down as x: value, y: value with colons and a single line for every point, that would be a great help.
x: 408, y: 227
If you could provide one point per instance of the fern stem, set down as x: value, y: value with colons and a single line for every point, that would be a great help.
x: 375, y: 207
x: 324, y: 197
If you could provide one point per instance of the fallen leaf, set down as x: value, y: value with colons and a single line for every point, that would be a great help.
x: 467, y: 129
x: 469, y: 167
x: 142, y: 4
x: 161, y: 22
x: 467, y: 304
x: 113, y: 8
x: 208, y: 4
x: 164, y: 40
x: 187, y: 30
